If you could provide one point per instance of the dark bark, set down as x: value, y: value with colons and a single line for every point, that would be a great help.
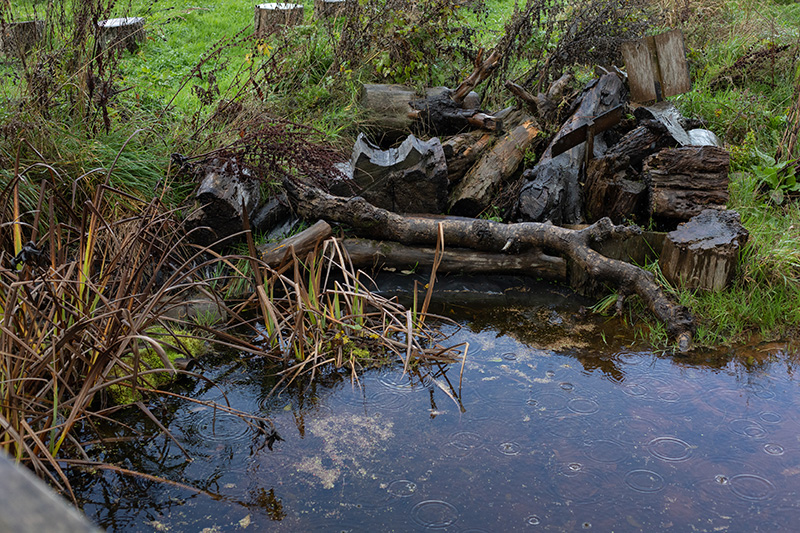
x: 684, y: 181
x: 610, y: 193
x: 704, y: 252
x: 483, y: 69
x: 366, y: 253
x: 495, y: 237
x: 462, y: 151
x: 552, y: 190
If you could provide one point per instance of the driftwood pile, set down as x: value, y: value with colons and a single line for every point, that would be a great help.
x: 607, y: 163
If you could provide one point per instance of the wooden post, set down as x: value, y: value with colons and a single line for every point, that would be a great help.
x: 268, y: 17
x: 330, y: 8
x: 17, y: 38
x: 121, y: 33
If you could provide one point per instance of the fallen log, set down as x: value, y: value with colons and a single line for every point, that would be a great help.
x: 367, y: 253
x: 483, y: 69
x: 475, y: 192
x: 496, y: 237
x: 304, y: 242
x: 542, y: 106
x: 462, y: 151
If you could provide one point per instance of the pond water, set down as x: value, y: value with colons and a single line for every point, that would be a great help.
x: 562, y: 425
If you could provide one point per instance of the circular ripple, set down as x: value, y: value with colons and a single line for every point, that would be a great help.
x: 434, y: 514
x: 747, y: 428
x: 206, y: 426
x: 725, y: 400
x: 768, y: 417
x: 570, y: 469
x: 773, y: 449
x: 635, y: 390
x: 669, y: 449
x: 466, y: 440
x: 583, y: 406
x: 752, y: 487
x: 568, y: 426
x: 497, y: 392
x: 533, y: 520
x: 402, y: 488
x: 509, y: 448
x: 606, y: 451
x: 566, y: 386
x: 645, y: 481
x: 509, y: 356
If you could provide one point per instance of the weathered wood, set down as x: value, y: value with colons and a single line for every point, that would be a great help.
x: 552, y: 188
x: 475, y: 192
x: 483, y: 69
x: 439, y: 114
x: 388, y: 107
x: 409, y: 179
x: 224, y: 190
x: 489, y: 236
x: 271, y: 16
x: 304, y: 242
x: 684, y: 181
x: 657, y: 66
x: 640, y: 143
x: 18, y: 38
x: 542, y: 106
x: 462, y: 151
x: 121, y: 33
x: 635, y: 249
x: 366, y: 253
x: 704, y: 252
x: 609, y: 192
x: 331, y: 8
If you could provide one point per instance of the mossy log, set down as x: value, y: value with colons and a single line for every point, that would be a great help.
x: 496, y: 237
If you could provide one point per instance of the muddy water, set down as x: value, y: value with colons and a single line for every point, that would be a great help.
x: 561, y: 426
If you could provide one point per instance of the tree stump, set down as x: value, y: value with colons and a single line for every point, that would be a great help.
x: 388, y: 107
x: 330, y: 8
x: 121, y: 33
x: 409, y: 179
x: 17, y: 38
x: 269, y: 17
x: 684, y: 181
x: 224, y: 191
x: 704, y: 252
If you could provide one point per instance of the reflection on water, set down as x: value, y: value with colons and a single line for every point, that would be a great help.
x: 551, y: 434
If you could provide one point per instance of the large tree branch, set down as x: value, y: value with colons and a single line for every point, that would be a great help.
x: 486, y: 235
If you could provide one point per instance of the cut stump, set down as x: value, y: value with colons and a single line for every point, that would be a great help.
x: 704, y: 252
x: 269, y: 17
x: 18, y: 38
x: 121, y: 33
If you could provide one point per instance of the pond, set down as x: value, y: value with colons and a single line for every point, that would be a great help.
x: 561, y: 425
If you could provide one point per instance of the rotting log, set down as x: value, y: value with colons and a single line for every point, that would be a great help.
x: 552, y: 188
x: 609, y: 191
x: 686, y: 180
x: 475, y: 192
x: 489, y: 236
x: 543, y: 106
x: 704, y: 252
x: 271, y: 16
x: 462, y: 151
x: 121, y: 33
x: 367, y: 253
x: 224, y: 191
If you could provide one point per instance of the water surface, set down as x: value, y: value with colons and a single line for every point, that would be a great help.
x: 560, y: 425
